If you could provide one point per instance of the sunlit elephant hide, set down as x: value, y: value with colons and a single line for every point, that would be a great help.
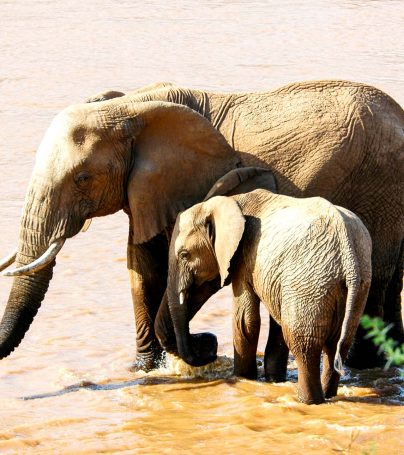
x: 306, y: 260
x: 157, y: 151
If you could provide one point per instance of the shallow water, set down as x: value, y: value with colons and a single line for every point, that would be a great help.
x: 67, y: 388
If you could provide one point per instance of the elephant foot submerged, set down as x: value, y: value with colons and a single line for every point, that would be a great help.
x: 151, y: 360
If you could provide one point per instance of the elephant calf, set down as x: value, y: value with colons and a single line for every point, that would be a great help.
x: 307, y: 260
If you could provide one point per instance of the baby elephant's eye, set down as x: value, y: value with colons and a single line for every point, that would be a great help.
x: 183, y: 254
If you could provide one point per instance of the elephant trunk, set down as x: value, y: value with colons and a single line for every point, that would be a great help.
x: 24, y: 301
x: 27, y: 292
x: 179, y: 316
x: 178, y: 305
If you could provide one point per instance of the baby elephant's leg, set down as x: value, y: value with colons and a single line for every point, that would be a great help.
x: 276, y: 354
x: 246, y: 327
x: 309, y: 388
x: 306, y: 349
x: 329, y: 378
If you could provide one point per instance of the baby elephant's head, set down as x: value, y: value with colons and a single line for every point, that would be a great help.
x: 204, y: 240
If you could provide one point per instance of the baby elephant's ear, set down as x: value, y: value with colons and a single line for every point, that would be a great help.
x: 228, y: 226
x: 243, y: 180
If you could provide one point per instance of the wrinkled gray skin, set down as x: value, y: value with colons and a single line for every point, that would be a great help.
x: 96, y: 159
x: 308, y: 261
x: 340, y: 140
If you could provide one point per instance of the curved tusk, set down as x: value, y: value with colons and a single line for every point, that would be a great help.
x: 86, y: 225
x: 182, y: 297
x: 39, y: 263
x: 8, y: 260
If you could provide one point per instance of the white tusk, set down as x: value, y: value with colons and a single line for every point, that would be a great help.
x: 86, y: 225
x: 182, y: 297
x: 8, y: 260
x: 39, y: 263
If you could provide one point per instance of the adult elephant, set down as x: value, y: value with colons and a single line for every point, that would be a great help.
x: 340, y: 140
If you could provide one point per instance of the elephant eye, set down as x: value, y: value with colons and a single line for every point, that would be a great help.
x: 183, y: 254
x: 83, y: 178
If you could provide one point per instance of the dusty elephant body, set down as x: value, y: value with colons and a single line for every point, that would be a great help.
x: 308, y: 261
x: 340, y: 140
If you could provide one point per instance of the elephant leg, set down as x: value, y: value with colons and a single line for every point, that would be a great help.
x: 306, y: 349
x: 309, y: 388
x: 276, y: 354
x: 246, y: 327
x: 384, y: 294
x: 363, y: 353
x: 330, y: 378
x: 147, y: 265
x: 393, y: 311
x: 164, y: 328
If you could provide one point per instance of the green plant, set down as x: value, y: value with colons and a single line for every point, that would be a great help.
x: 377, y: 331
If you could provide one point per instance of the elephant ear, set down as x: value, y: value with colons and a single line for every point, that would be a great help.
x: 151, y: 88
x: 110, y: 94
x: 178, y: 155
x: 227, y: 230
x: 243, y: 180
x: 104, y: 96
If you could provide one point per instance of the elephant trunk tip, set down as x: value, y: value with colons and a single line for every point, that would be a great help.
x: 11, y: 335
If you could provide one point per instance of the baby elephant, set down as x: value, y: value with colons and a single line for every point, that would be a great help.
x: 307, y: 260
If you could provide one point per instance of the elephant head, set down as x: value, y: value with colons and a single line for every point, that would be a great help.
x: 151, y: 159
x: 204, y: 240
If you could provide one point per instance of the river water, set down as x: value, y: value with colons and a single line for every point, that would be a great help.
x: 67, y: 389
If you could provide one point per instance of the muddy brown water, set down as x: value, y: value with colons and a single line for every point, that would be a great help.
x: 67, y: 388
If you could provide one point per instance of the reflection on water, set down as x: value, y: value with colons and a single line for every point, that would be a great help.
x: 68, y: 388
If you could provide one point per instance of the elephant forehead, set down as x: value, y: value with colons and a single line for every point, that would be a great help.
x: 66, y: 143
x: 186, y: 229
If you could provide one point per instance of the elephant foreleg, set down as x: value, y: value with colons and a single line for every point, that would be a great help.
x: 147, y: 265
x: 276, y: 354
x: 246, y: 328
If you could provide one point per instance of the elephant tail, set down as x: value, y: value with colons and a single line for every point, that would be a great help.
x: 355, y: 249
x: 349, y: 323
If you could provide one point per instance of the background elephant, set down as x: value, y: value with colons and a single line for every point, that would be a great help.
x: 308, y: 261
x: 340, y: 140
